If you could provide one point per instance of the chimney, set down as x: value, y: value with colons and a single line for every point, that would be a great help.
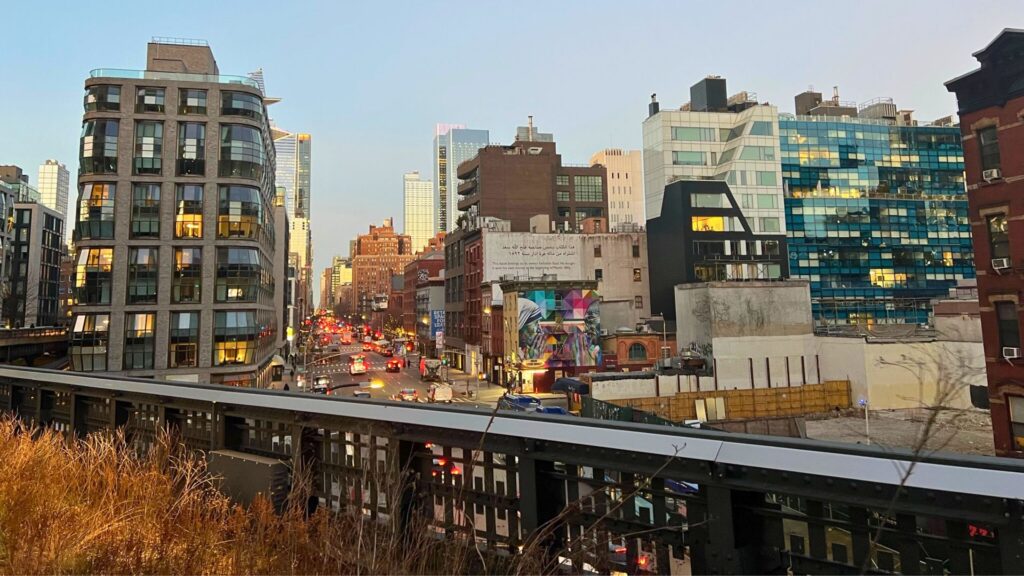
x: 529, y: 128
x: 653, y: 107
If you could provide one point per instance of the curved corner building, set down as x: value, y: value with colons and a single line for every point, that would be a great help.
x: 175, y: 235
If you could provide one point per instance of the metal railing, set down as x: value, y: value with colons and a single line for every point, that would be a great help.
x: 172, y: 76
x: 730, y: 503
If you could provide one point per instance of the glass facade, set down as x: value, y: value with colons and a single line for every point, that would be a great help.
x: 145, y: 211
x: 876, y: 216
x: 241, y: 152
x: 96, y: 211
x: 98, y: 151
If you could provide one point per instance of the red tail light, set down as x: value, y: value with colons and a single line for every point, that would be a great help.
x: 620, y: 550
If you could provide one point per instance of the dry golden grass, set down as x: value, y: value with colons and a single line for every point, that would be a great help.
x: 93, y: 506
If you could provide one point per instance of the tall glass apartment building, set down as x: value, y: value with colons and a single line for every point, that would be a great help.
x: 453, y: 145
x: 876, y: 216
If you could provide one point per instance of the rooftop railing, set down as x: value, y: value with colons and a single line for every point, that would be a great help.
x: 172, y: 76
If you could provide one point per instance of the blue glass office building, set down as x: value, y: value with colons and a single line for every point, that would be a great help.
x: 876, y: 216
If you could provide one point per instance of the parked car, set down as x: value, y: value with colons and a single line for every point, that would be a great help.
x: 361, y: 393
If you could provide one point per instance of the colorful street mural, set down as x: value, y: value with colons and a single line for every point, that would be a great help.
x: 559, y: 328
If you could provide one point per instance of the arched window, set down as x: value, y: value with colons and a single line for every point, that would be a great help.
x: 637, y: 351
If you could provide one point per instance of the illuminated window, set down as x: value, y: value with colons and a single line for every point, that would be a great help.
x: 96, y: 211
x: 93, y: 275
x: 188, y: 211
x: 239, y: 212
x: 708, y: 223
x: 235, y: 337
x: 887, y: 278
x: 998, y: 236
x: 1016, y: 405
x: 138, y: 341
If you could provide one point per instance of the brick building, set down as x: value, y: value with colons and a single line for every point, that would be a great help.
x: 991, y: 108
x: 379, y: 254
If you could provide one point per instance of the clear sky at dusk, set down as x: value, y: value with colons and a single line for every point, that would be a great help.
x: 370, y: 79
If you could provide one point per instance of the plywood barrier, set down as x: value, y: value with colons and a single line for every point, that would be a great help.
x: 749, y: 404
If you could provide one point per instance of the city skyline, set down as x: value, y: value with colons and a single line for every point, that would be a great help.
x: 376, y: 113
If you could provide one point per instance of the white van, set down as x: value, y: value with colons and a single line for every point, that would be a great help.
x: 441, y: 393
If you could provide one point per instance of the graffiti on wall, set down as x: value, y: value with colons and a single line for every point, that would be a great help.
x: 559, y: 328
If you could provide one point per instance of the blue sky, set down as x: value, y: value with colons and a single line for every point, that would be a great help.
x: 369, y: 80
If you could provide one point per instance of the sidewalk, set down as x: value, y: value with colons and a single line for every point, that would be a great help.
x: 483, y: 391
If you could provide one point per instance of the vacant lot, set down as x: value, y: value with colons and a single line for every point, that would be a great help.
x: 964, y: 431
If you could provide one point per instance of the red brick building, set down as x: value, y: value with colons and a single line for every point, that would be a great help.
x: 991, y: 108
x: 379, y: 254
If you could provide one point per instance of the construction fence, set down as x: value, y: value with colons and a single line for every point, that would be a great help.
x: 747, y: 404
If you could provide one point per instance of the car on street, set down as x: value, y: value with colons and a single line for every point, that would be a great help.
x: 441, y: 393
x: 393, y: 365
x: 367, y: 346
x: 322, y: 381
x: 358, y: 367
x: 322, y: 389
x: 407, y: 395
x: 360, y: 393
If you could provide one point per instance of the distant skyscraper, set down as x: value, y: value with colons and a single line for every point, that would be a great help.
x: 453, y: 144
x: 54, y: 180
x: 293, y: 151
x: 625, y: 185
x: 419, y: 210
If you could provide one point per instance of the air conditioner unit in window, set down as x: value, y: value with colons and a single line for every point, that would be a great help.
x: 1011, y: 353
x: 991, y: 174
x: 1000, y: 264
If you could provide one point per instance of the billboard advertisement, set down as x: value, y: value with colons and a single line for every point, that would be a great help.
x: 436, y: 323
x: 531, y: 255
x: 559, y: 328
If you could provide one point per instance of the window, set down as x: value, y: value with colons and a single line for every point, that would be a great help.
x: 145, y: 211
x: 998, y: 236
x: 762, y: 128
x: 96, y: 211
x: 103, y: 98
x: 689, y: 158
x: 693, y: 134
x: 191, y: 101
x: 562, y: 195
x: 769, y: 224
x: 187, y: 282
x: 149, y: 145
x: 138, y: 341
x: 1016, y: 405
x: 706, y: 200
x: 142, y: 275
x: 188, y: 211
x: 98, y: 151
x: 637, y: 276
x: 588, y: 188
x: 637, y: 351
x: 241, y: 104
x: 636, y: 250
x: 239, y: 213
x: 241, y: 152
x: 638, y: 302
x: 767, y: 201
x: 733, y: 133
x: 727, y: 156
x: 597, y: 250
x: 757, y: 153
x: 598, y: 274
x: 562, y: 180
x: 988, y: 140
x: 149, y: 100
x: 93, y: 275
x: 184, y: 340
x: 87, y: 345
x: 191, y: 149
x: 770, y: 247
x: 708, y: 223
x: 1009, y: 325
x: 238, y: 274
x: 235, y: 336
x: 766, y: 179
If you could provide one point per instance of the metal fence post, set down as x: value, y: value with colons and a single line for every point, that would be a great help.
x: 541, y: 499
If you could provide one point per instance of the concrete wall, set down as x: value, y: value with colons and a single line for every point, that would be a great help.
x: 623, y: 276
x: 733, y: 309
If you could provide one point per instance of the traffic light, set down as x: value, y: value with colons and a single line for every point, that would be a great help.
x: 444, y: 361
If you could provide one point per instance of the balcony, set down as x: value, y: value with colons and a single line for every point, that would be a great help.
x: 467, y: 201
x: 172, y: 76
x: 468, y: 186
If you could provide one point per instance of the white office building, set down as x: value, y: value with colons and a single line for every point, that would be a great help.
x: 419, y: 210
